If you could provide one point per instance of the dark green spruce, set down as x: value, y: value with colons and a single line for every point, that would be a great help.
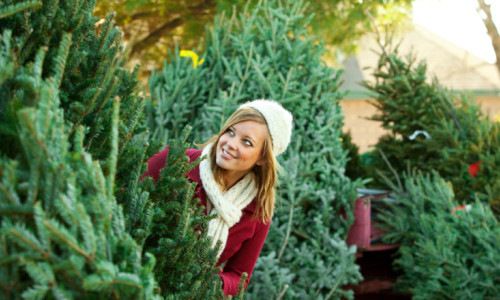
x: 75, y: 220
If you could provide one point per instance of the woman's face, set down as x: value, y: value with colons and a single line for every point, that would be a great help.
x: 240, y: 147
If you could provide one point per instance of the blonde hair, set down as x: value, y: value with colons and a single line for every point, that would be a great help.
x: 265, y: 175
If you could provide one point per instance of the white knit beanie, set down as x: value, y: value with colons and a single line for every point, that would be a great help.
x: 279, y: 121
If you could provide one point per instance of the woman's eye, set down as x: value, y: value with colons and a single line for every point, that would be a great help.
x: 230, y: 131
x: 247, y: 142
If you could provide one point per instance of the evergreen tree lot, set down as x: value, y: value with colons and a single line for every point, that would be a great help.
x: 432, y: 128
x: 446, y: 218
x: 443, y: 255
x: 77, y: 221
x: 267, y: 53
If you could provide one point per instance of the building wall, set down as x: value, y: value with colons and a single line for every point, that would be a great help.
x: 489, y: 105
x: 365, y: 133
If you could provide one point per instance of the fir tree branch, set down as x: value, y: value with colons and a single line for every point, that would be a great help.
x: 16, y: 210
x: 40, y: 272
x: 263, y: 79
x: 38, y: 291
x: 113, y: 156
x: 38, y: 64
x: 335, y: 286
x: 109, y: 91
x: 7, y: 195
x: 15, y: 8
x: 39, y: 216
x: 75, y: 7
x: 400, y: 186
x: 33, y: 132
x: 50, y: 7
x: 96, y: 283
x: 65, y: 238
x: 61, y: 57
x: 108, y: 24
x: 288, y: 227
x: 78, y: 139
x: 22, y: 236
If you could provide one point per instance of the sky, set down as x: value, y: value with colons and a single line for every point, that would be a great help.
x: 459, y: 22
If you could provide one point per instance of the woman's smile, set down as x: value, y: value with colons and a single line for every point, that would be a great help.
x: 226, y: 154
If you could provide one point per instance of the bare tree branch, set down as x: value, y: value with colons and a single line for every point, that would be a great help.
x: 155, y: 36
x: 198, y: 10
x: 492, y: 29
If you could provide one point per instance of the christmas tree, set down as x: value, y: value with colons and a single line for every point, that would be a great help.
x: 432, y: 128
x: 63, y: 234
x: 267, y: 53
x: 76, y: 221
x: 185, y: 259
x: 447, y: 251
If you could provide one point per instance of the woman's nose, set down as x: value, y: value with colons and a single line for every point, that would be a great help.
x: 230, y: 143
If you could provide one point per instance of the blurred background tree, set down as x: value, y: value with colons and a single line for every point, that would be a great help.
x: 152, y: 27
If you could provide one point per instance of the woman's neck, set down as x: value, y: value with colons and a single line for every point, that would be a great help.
x: 231, y: 178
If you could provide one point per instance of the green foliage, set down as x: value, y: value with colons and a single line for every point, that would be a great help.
x: 342, y: 23
x: 89, y: 79
x: 443, y: 255
x: 74, y: 145
x: 13, y: 8
x: 459, y: 135
x: 62, y: 233
x: 267, y: 53
x: 185, y: 258
x: 153, y: 27
x: 355, y: 168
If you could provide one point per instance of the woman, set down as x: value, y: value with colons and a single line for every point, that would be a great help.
x: 236, y: 182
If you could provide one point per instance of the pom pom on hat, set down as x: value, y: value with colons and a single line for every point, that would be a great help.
x: 279, y: 121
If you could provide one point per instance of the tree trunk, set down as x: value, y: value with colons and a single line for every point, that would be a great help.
x: 492, y: 29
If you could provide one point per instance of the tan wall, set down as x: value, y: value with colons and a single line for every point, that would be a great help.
x: 365, y: 133
x: 490, y: 106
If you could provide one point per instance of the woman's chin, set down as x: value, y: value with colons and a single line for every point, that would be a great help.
x: 221, y: 163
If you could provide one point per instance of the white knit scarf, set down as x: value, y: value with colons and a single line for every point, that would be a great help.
x: 227, y: 205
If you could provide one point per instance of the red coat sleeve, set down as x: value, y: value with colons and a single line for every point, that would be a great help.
x: 243, y: 260
x: 159, y: 160
x: 155, y: 164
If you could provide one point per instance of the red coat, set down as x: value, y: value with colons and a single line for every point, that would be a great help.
x: 245, y: 238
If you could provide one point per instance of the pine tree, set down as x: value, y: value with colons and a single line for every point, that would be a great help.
x: 355, y: 168
x: 432, y: 128
x: 185, y: 259
x: 63, y: 234
x: 444, y: 253
x: 266, y: 53
x: 74, y: 145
